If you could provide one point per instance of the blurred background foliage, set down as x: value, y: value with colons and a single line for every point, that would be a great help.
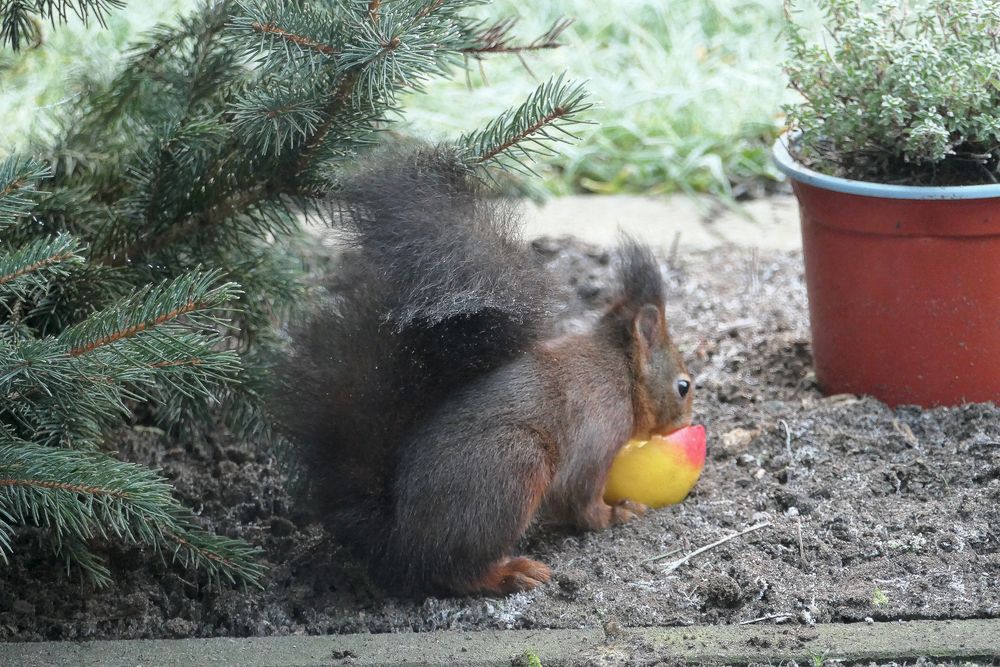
x: 687, y: 93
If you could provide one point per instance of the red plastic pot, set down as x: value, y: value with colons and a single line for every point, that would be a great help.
x: 903, y: 285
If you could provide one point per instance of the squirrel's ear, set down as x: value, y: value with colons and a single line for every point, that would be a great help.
x: 647, y: 327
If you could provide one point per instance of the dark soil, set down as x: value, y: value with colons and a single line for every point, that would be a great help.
x: 874, y: 512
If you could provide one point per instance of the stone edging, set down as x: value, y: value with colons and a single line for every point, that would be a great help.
x: 725, y: 644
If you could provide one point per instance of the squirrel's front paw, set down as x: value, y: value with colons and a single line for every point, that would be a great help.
x: 627, y: 510
x: 599, y: 515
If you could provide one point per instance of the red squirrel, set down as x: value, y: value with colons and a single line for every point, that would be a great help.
x: 437, y: 415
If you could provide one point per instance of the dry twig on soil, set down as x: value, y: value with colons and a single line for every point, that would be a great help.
x: 680, y: 561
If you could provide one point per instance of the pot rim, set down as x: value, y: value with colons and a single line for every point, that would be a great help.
x: 799, y: 172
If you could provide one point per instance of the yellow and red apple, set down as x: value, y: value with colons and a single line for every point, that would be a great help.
x: 659, y: 471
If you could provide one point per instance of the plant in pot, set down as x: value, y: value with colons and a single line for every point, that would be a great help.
x: 894, y: 154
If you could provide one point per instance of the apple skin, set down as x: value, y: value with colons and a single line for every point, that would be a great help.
x: 659, y: 471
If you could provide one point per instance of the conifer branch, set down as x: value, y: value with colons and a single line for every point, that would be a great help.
x: 276, y: 120
x: 6, y: 532
x: 18, y: 187
x: 17, y: 17
x: 147, y: 309
x: 522, y: 134
x: 70, y: 400
x: 201, y: 552
x: 306, y: 32
x: 428, y: 9
x: 64, y: 486
x: 238, y: 203
x: 298, y: 40
x: 13, y: 186
x: 341, y: 98
x: 40, y: 264
x: 75, y: 552
x: 190, y: 361
x: 128, y: 332
x: 525, y: 132
x: 83, y: 495
x: 59, y: 10
x: 496, y: 38
x: 33, y: 265
x: 218, y: 556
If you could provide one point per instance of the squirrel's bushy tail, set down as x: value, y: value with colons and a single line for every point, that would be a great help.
x: 439, y: 291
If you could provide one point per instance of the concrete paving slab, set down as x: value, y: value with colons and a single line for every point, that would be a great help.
x: 771, y: 223
x: 966, y: 639
x: 692, y: 222
x: 696, y: 223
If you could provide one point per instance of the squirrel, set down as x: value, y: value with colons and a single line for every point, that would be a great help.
x: 437, y: 414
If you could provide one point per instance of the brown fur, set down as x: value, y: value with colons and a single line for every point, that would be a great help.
x: 511, y: 575
x: 443, y: 420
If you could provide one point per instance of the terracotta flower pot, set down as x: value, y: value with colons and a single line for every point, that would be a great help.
x: 903, y: 285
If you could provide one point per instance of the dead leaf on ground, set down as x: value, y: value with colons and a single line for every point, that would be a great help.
x: 840, y: 399
x: 904, y: 430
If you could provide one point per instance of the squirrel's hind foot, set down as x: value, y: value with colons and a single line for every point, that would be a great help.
x: 511, y: 575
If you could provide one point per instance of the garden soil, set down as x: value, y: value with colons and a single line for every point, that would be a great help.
x: 868, y: 512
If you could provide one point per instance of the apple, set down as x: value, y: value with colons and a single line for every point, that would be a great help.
x: 659, y: 471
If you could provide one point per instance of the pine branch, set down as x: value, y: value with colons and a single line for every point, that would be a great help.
x: 18, y: 181
x: 31, y: 267
x: 279, y: 119
x: 190, y: 296
x: 240, y: 202
x: 59, y: 10
x: 72, y: 297
x: 368, y: 54
x: 78, y: 489
x: 218, y: 556
x: 394, y: 54
x: 144, y: 88
x: 76, y: 553
x: 300, y: 41
x: 61, y: 400
x: 17, y: 25
x: 17, y: 21
x: 313, y: 143
x: 173, y: 162
x: 519, y: 135
x: 285, y: 34
x: 80, y: 496
x: 496, y: 38
x: 393, y: 47
x: 6, y: 533
x: 68, y: 389
x: 428, y: 9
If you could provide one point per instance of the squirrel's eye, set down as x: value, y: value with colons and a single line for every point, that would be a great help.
x: 683, y: 386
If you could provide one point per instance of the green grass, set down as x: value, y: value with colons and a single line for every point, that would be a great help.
x: 687, y: 92
x: 530, y: 659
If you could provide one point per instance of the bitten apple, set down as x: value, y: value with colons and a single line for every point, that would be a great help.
x: 659, y: 471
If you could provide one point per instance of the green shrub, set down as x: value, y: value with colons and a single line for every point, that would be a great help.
x: 900, y: 92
